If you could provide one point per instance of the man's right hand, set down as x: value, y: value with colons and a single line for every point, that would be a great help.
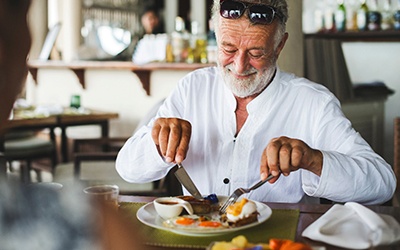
x: 172, y: 137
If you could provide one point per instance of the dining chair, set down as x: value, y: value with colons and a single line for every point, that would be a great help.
x: 27, y: 146
x: 3, y: 166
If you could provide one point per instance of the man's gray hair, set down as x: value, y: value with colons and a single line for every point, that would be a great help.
x: 280, y: 6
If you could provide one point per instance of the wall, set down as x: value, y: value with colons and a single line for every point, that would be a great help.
x: 292, y: 56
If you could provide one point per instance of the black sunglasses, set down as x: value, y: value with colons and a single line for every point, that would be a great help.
x: 258, y: 13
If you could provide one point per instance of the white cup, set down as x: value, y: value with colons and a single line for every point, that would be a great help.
x: 169, y: 207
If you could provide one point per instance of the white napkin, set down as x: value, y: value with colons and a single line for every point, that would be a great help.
x: 48, y: 110
x: 354, y: 226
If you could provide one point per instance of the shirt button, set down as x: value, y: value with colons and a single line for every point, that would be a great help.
x: 226, y: 180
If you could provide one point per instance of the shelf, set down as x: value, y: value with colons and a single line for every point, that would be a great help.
x: 359, y: 36
x: 143, y: 72
x: 122, y: 8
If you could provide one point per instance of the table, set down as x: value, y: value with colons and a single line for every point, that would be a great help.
x: 94, y: 117
x: 62, y: 121
x: 308, y: 214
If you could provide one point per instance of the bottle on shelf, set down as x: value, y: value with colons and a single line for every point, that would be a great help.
x: 374, y: 16
x: 318, y: 20
x: 198, y: 45
x: 396, y: 17
x: 169, y: 55
x: 180, y: 41
x: 351, y: 16
x: 340, y: 16
x: 328, y: 20
x: 362, y: 16
x: 387, y: 16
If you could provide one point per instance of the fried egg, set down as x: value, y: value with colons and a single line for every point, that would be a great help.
x: 240, y: 210
x: 194, y: 222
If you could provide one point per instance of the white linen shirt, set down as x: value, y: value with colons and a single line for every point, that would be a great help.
x: 290, y: 106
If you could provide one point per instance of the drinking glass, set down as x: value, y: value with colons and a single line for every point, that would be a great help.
x: 104, y: 193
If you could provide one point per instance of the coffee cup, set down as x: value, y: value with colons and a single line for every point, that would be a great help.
x: 169, y: 207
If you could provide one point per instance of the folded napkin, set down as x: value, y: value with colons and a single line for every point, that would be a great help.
x: 47, y: 110
x: 354, y: 226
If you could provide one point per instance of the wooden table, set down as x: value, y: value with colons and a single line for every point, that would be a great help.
x: 308, y: 214
x: 93, y: 118
x: 62, y: 121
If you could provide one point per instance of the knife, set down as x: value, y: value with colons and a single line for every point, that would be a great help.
x: 185, y: 180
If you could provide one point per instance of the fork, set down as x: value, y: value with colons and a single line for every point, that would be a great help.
x: 238, y: 192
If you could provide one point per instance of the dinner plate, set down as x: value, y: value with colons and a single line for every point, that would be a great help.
x: 148, y: 216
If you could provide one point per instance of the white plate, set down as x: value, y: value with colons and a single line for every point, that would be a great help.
x: 148, y: 216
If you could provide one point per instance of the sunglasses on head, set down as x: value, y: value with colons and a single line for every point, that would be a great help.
x: 258, y: 13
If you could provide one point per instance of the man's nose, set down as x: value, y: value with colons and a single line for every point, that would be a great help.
x: 241, y: 62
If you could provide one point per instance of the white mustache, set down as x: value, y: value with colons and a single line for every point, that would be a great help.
x: 246, y: 73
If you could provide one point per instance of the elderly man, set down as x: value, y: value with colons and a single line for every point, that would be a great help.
x: 235, y: 124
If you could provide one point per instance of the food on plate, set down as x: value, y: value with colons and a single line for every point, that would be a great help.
x: 194, y: 222
x: 241, y: 213
x: 240, y: 243
x: 281, y: 244
x: 206, y: 215
x: 203, y: 206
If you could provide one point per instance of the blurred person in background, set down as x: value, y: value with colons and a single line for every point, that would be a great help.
x: 34, y: 216
x: 151, y: 21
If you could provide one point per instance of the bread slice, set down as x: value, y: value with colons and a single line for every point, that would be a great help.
x: 253, y: 217
x: 202, y: 206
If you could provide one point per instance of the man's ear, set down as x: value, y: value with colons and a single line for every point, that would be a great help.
x: 281, y: 44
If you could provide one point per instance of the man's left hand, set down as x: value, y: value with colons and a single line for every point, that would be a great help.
x: 284, y: 155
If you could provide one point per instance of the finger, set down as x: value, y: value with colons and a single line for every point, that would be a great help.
x: 284, y: 159
x: 174, y: 139
x: 155, y: 133
x: 184, y: 143
x: 264, y: 170
x: 297, y: 157
x: 273, y: 156
x: 163, y: 138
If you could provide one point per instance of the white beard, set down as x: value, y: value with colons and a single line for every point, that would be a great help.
x: 246, y: 87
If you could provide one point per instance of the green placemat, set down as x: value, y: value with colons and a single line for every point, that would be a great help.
x: 282, y: 224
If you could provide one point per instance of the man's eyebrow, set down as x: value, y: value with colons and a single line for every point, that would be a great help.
x: 257, y: 48
x: 227, y: 44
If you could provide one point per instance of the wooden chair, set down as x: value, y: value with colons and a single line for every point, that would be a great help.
x: 94, y: 164
x: 396, y: 161
x: 3, y: 166
x: 27, y: 146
